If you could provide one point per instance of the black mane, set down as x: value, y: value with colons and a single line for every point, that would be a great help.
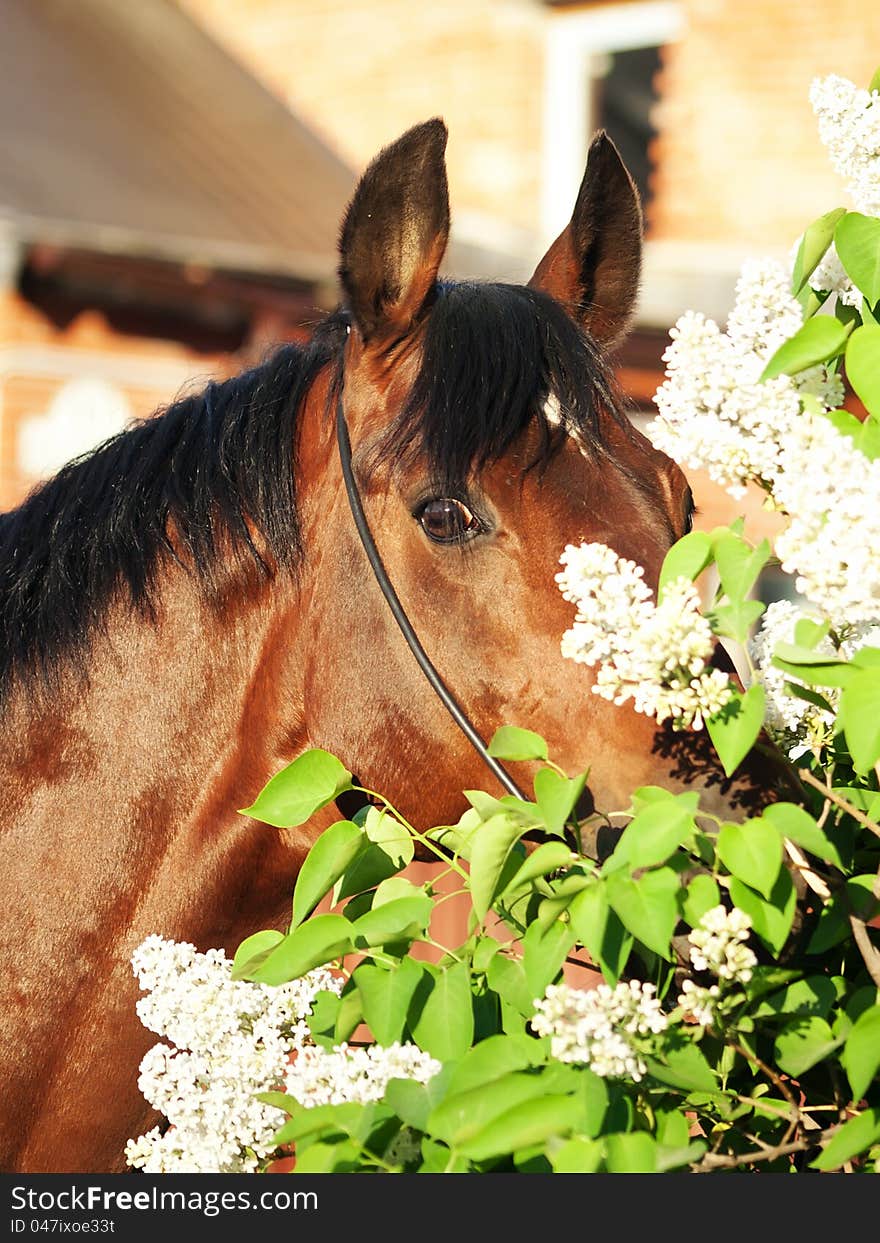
x: 214, y: 463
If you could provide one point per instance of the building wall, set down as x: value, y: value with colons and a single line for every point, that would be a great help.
x: 64, y: 390
x: 738, y: 158
x: 362, y: 71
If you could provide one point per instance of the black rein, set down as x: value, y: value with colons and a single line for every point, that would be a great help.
x: 443, y: 693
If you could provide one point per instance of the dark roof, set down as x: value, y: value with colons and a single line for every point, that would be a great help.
x: 125, y: 128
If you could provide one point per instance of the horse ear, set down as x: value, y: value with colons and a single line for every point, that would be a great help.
x: 593, y: 266
x: 395, y: 232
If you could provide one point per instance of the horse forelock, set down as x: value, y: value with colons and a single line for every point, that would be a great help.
x: 495, y: 360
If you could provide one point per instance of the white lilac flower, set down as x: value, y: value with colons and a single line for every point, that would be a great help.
x: 718, y: 945
x: 714, y: 412
x: 798, y: 724
x: 699, y: 1003
x: 233, y: 1039
x: 607, y: 1029
x: 830, y: 276
x: 849, y: 126
x: 831, y: 494
x: 347, y: 1073
x: 655, y: 656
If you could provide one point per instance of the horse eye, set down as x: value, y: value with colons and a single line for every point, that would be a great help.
x: 446, y: 520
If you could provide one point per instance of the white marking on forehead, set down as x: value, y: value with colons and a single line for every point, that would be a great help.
x: 553, y: 411
x: 553, y: 415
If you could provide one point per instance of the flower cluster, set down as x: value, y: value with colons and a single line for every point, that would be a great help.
x: 799, y: 724
x: 832, y: 538
x: 233, y: 1039
x: 601, y: 1027
x: 718, y: 945
x: 849, y: 126
x: 330, y: 1077
x: 714, y: 412
x: 830, y: 276
x: 699, y: 1003
x: 657, y: 656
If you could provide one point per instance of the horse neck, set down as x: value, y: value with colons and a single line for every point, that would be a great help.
x: 137, y: 775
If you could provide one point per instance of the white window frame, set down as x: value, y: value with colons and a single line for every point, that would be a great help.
x: 575, y: 55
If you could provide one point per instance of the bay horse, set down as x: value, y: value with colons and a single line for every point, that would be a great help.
x: 188, y: 608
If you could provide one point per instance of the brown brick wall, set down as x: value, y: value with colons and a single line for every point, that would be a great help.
x: 739, y: 157
x: 362, y: 71
x: 37, y: 360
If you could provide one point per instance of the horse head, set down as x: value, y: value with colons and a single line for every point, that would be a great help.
x: 487, y: 435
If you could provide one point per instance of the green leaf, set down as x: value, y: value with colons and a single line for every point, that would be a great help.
x: 331, y: 854
x: 863, y: 366
x: 494, y: 1058
x: 511, y: 743
x: 814, y: 995
x: 386, y: 994
x: 674, y: 1158
x: 651, y: 836
x: 820, y: 339
x: 739, y: 565
x: 314, y: 943
x: 490, y: 851
x: 810, y: 301
x: 681, y: 1064
x: 402, y: 919
x: 734, y: 730
x: 814, y: 243
x: 771, y: 920
x: 506, y: 976
x: 834, y: 925
x: 279, y: 1100
x: 370, y: 868
x: 861, y: 1056
x: 802, y: 1043
x: 859, y: 714
x: 530, y: 1122
x: 413, y: 1102
x: 600, y: 931
x: 753, y: 852
x: 814, y: 668
x: 702, y: 896
x: 578, y: 1156
x: 548, y: 857
x: 852, y: 1138
x: 323, y: 1016
x: 392, y: 837
x: 800, y: 827
x: 647, y: 907
x: 459, y: 838
x: 556, y: 797
x: 644, y: 796
x: 349, y: 1016
x: 320, y: 1118
x: 735, y: 620
x: 634, y: 1152
x: 544, y: 952
x: 253, y: 951
x: 874, y: 84
x: 313, y: 780
x: 462, y: 1115
x: 808, y: 631
x: 857, y: 239
x: 445, y: 1025
x: 687, y: 558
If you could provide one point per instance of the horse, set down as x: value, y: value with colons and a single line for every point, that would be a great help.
x: 188, y: 608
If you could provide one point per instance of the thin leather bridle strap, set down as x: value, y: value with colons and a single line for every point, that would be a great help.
x: 443, y: 693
